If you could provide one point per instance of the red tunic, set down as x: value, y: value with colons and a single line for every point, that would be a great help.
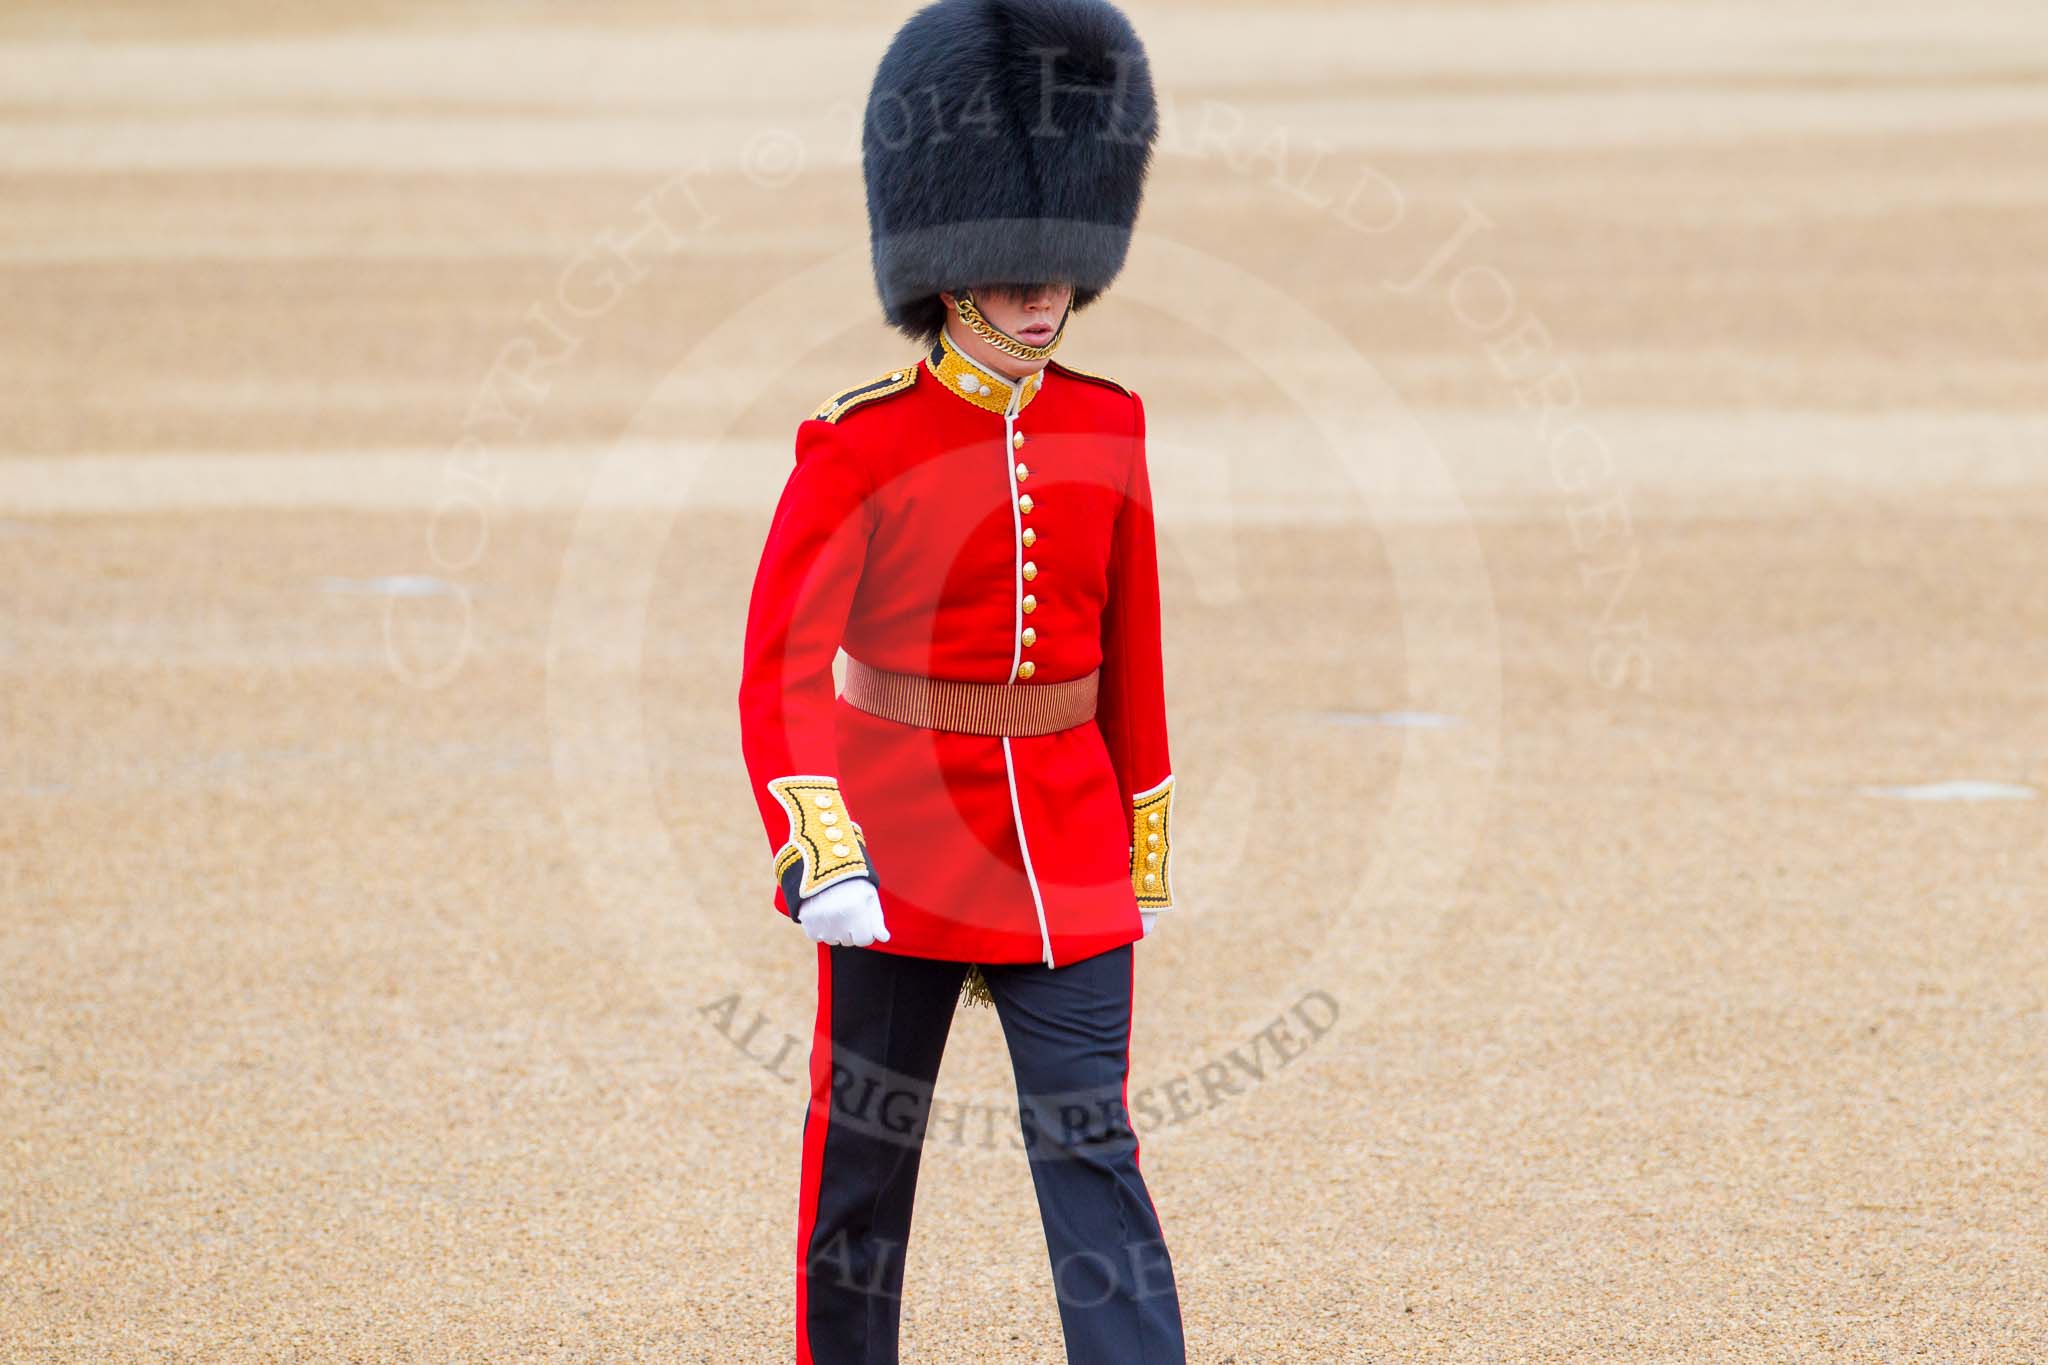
x: 940, y: 521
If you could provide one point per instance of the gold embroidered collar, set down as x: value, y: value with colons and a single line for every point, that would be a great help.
x: 977, y: 384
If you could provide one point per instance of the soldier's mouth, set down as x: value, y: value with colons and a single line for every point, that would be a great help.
x: 1037, y: 332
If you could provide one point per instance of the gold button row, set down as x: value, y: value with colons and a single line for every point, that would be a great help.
x: 1030, y: 569
x: 828, y: 819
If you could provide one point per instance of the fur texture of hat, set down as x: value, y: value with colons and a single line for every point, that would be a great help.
x: 1004, y: 142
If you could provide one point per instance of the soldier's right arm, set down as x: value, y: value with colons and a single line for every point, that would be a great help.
x: 803, y: 591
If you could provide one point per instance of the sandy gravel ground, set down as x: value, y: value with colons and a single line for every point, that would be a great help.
x: 1603, y: 457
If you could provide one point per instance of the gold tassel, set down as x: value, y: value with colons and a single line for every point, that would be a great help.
x: 974, y: 990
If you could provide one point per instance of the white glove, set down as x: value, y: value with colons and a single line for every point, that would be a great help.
x: 847, y: 913
x: 1148, y: 918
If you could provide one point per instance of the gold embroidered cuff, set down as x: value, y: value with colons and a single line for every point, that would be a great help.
x: 824, y: 845
x: 1150, y: 844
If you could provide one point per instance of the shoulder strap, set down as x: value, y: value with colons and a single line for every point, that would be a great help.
x: 1101, y: 379
x: 846, y: 400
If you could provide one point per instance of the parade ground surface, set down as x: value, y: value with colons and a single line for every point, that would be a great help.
x: 1602, y: 469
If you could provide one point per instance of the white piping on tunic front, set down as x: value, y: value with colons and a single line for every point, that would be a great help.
x: 1017, y: 525
x: 1017, y: 650
x: 1010, y: 771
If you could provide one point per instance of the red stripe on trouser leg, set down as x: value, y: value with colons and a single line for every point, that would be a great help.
x: 816, y: 1119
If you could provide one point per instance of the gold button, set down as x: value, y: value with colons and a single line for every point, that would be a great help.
x: 1026, y: 669
x: 830, y: 817
x: 824, y: 800
x: 1153, y: 819
x: 1151, y: 841
x: 1030, y: 570
x: 1030, y: 636
x: 1030, y: 537
x: 1024, y: 503
x: 841, y: 850
x: 1016, y: 440
x: 1030, y: 603
x: 1023, y: 471
x: 1151, y: 880
x: 1151, y: 860
x: 896, y: 376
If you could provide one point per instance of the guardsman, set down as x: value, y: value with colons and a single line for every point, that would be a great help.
x: 985, y: 808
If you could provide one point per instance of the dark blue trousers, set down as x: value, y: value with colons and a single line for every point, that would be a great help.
x: 881, y: 1031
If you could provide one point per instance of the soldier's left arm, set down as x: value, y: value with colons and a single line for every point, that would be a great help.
x: 1131, y: 702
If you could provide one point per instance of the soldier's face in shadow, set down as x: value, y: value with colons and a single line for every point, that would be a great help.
x: 1029, y: 312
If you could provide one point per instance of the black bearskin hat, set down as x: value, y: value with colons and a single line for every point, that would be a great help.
x: 1005, y: 141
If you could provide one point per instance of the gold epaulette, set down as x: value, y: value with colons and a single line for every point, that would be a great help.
x: 846, y: 400
x: 1101, y: 379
